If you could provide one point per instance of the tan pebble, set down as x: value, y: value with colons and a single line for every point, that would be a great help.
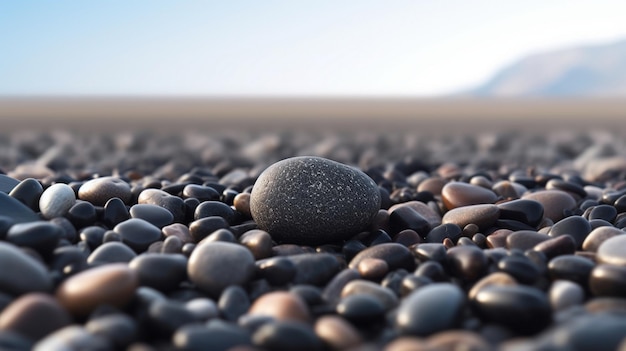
x: 337, y: 333
x: 281, y: 305
x: 241, y: 202
x: 34, y: 315
x: 112, y: 284
x: 497, y: 278
x: 407, y: 343
x: 373, y: 268
x: 432, y: 185
x: 459, y: 194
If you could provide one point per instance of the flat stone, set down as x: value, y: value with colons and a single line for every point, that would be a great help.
x: 15, y: 210
x: 111, y: 252
x: 213, y: 266
x: 112, y: 284
x: 119, y: 328
x: 217, y: 336
x: 314, y: 268
x: 575, y: 226
x: 459, y: 194
x: 523, y: 210
x: 433, y: 218
x: 396, y: 256
x: 138, y: 234
x: 25, y: 275
x: 312, y: 201
x: 483, y: 216
x: 100, y: 190
x: 431, y: 309
x: 155, y: 215
x: 287, y: 336
x: 358, y: 286
x: 159, y: 271
x: 40, y: 236
x: 56, y: 201
x: 525, y: 239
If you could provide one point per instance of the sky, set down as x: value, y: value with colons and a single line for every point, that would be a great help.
x: 283, y: 48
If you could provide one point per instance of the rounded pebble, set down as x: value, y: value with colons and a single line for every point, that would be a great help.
x: 56, y: 201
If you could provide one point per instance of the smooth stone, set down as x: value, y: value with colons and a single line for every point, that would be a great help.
x: 115, y: 212
x: 276, y: 270
x: 407, y: 218
x: 524, y: 309
x: 34, y: 315
x: 313, y: 201
x: 433, y: 218
x: 561, y: 245
x: 15, y: 210
x: 7, y: 184
x: 204, y: 227
x: 523, y: 210
x: 138, y: 234
x: 332, y: 291
x: 431, y: 309
x: 407, y: 238
x: 493, y: 279
x: 396, y: 256
x: 56, y: 201
x: 608, y: 280
x: 120, y: 329
x: 483, y: 216
x: 100, y: 190
x: 604, y: 212
x: 68, y: 260
x: 166, y: 316
x: 241, y: 203
x: 459, y: 194
x: 458, y: 339
x: 213, y: 266
x: 159, y: 271
x: 575, y: 226
x: 373, y: 268
x: 310, y: 294
x: 521, y: 268
x: 28, y: 192
x: 214, y: 208
x: 172, y: 245
x: 430, y: 252
x: 155, y: 215
x: 113, y: 284
x: 216, y: 337
x: 282, y: 306
x: 588, y: 332
x: 564, y: 294
x: 202, y: 308
x: 287, y: 336
x: 439, y: 233
x: 93, y: 236
x: 314, y: 268
x: 73, y: 337
x: 11, y: 341
x: 40, y: 236
x: 178, y: 230
x: 613, y: 251
x: 498, y: 238
x: 361, y: 309
x: 174, y: 204
x: 233, y: 303
x: 467, y: 263
x: 525, y: 239
x: 555, y: 202
x: 432, y: 270
x: 337, y: 333
x: 82, y: 214
x: 359, y: 286
x: 598, y: 236
x: 259, y: 242
x: 571, y: 267
x: 25, y: 275
x: 111, y: 252
x: 200, y: 192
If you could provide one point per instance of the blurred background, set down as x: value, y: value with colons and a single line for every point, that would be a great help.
x: 269, y: 64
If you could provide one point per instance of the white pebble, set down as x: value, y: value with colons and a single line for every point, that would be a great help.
x: 56, y: 200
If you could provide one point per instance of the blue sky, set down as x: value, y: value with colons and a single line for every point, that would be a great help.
x: 225, y: 48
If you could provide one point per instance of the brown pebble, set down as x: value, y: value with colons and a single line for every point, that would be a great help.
x: 407, y: 238
x: 259, y: 242
x: 598, y: 236
x: 459, y: 194
x: 433, y: 218
x: 457, y: 340
x: 337, y: 333
x: 34, y: 315
x: 281, y: 305
x: 483, y: 216
x: 554, y: 202
x: 407, y: 343
x: 178, y: 230
x: 498, y: 238
x: 432, y: 185
x: 241, y: 202
x: 373, y: 268
x: 112, y: 284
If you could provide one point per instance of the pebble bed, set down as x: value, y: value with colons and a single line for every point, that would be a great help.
x: 146, y: 241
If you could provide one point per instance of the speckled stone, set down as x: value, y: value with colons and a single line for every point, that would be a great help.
x: 312, y: 200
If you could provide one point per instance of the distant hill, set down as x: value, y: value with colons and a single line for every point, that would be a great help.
x: 585, y: 71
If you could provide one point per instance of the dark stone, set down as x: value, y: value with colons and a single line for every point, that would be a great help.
x: 166, y: 316
x: 525, y: 211
x: 561, y: 245
x: 571, y: 267
x: 174, y: 204
x: 120, y: 329
x: 523, y: 309
x: 7, y: 184
x: 276, y: 270
x: 217, y: 336
x: 115, y: 212
x: 82, y: 214
x: 521, y: 268
x: 587, y: 332
x: 25, y: 275
x: 155, y: 215
x: 93, y: 236
x: 430, y: 252
x: 431, y: 309
x: 100, y: 190
x: 443, y: 231
x: 34, y: 315
x: 233, y: 303
x: 214, y: 208
x: 605, y: 212
x: 203, y: 227
x: 200, y: 192
x: 17, y: 211
x: 40, y: 236
x: 406, y: 217
x: 28, y: 192
x: 287, y: 336
x: 313, y: 201
x: 138, y: 234
x: 111, y: 252
x: 259, y: 242
x: 467, y: 263
x: 525, y: 239
x: 159, y: 271
x: 314, y: 268
x: 361, y: 309
x: 608, y: 280
x: 575, y: 226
